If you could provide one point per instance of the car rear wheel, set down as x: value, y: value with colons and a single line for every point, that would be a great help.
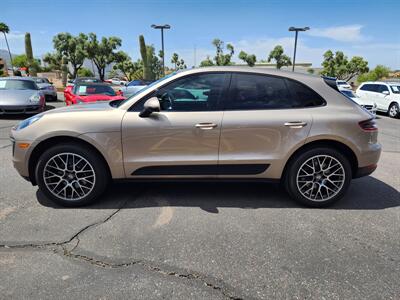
x: 394, y: 111
x: 71, y: 175
x: 318, y: 177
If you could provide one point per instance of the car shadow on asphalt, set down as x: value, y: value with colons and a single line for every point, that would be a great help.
x: 366, y: 193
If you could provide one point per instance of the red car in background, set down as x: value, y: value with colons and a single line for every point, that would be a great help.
x: 85, y: 92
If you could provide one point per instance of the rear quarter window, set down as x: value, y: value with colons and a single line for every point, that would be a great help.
x: 303, y: 96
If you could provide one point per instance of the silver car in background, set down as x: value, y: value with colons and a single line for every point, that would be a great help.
x: 135, y: 86
x: 49, y: 91
x: 20, y: 95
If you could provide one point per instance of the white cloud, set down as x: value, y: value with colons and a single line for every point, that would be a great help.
x: 347, y: 33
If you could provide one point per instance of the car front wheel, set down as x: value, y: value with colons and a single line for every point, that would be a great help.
x: 71, y: 175
x: 318, y: 177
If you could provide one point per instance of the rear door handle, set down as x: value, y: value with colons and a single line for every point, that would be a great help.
x: 298, y: 124
x: 206, y: 126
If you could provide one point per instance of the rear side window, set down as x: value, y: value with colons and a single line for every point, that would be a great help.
x: 303, y: 96
x: 250, y: 92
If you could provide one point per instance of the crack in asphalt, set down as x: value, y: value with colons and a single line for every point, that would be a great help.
x: 60, y: 248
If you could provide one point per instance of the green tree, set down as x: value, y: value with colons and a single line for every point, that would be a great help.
x: 84, y: 72
x: 310, y: 71
x: 125, y: 64
x: 337, y: 65
x: 280, y: 58
x: 21, y: 61
x: 5, y: 29
x: 220, y: 58
x: 379, y: 72
x: 207, y: 62
x: 53, y: 60
x: 32, y: 66
x: 73, y: 48
x: 250, y: 59
x: 175, y: 59
x: 102, y: 52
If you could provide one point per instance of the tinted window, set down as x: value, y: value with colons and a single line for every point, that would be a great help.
x: 366, y: 87
x: 192, y: 93
x: 258, y: 92
x: 383, y: 88
x: 374, y: 88
x: 15, y: 84
x: 303, y: 96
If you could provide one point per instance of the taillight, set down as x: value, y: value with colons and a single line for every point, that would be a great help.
x: 368, y: 125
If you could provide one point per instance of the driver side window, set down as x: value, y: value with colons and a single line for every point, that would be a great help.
x: 192, y: 93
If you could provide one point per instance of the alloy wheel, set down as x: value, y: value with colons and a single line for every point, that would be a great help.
x: 320, y: 178
x: 69, y: 176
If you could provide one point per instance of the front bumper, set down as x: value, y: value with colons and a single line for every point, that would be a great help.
x: 21, y: 109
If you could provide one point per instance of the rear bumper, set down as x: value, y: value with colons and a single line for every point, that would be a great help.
x: 365, y: 171
x: 21, y: 109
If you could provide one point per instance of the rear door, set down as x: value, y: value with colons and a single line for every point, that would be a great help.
x: 265, y: 116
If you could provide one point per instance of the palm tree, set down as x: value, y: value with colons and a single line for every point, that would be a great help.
x: 5, y: 29
x: 175, y: 59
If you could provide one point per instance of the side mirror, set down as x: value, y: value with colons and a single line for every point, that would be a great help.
x: 385, y: 93
x: 150, y: 106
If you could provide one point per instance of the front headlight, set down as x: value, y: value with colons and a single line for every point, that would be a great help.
x: 25, y: 123
x: 34, y: 98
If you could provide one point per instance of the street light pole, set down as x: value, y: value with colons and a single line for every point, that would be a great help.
x: 296, y: 30
x: 162, y: 27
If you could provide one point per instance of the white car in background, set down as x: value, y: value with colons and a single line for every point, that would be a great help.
x: 367, y: 104
x: 386, y: 95
x: 116, y: 81
x: 134, y: 86
x: 342, y: 84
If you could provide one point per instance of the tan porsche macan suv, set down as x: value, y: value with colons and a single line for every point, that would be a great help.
x: 213, y: 123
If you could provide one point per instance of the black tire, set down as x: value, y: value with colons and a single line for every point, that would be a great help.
x: 96, y: 165
x: 293, y: 169
x: 394, y: 111
x: 54, y: 98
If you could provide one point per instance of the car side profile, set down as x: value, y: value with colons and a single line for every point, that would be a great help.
x: 386, y: 95
x: 229, y: 123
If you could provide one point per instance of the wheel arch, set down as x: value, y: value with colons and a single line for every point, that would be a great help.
x: 341, y: 147
x: 52, y: 141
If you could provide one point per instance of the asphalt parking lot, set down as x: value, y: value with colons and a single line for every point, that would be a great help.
x: 202, y: 240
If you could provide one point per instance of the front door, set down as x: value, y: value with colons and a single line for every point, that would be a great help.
x: 181, y: 140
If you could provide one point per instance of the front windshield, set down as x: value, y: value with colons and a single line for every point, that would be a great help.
x: 143, y: 90
x: 84, y: 90
x: 15, y: 84
x: 395, y: 89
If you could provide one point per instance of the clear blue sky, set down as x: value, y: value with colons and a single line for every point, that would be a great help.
x: 367, y: 28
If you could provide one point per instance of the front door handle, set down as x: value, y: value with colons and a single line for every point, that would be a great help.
x: 206, y: 126
x: 298, y: 124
